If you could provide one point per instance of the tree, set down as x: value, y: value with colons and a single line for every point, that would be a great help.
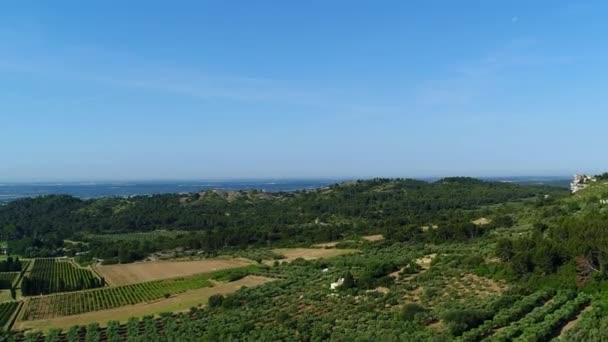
x: 504, y: 249
x: 410, y: 310
x: 522, y: 263
x: 216, y: 300
x: 505, y: 221
x: 547, y: 257
x: 349, y: 281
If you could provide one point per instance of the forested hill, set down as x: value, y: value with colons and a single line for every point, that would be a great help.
x: 254, y: 217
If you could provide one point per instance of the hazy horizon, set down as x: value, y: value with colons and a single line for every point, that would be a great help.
x: 270, y: 179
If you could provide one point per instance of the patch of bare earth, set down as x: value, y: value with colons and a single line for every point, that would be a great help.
x: 482, y: 221
x: 573, y: 322
x: 177, y: 303
x: 426, y: 228
x: 424, y: 263
x: 485, y: 286
x: 326, y: 244
x: 380, y: 289
x: 373, y: 238
x: 311, y: 253
x: 437, y: 325
x: 146, y: 271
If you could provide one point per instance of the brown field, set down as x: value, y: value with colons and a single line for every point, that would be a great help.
x: 311, y: 253
x: 177, y: 303
x: 326, y: 244
x: 372, y: 238
x: 146, y: 271
x: 482, y: 221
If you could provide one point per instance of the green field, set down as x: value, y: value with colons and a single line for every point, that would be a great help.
x: 112, y: 297
x: 6, y: 311
x: 7, y: 279
x: 51, y: 275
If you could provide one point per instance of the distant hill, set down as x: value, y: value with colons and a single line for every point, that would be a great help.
x: 38, y: 226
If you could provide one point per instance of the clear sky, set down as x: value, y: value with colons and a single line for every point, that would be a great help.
x: 244, y: 89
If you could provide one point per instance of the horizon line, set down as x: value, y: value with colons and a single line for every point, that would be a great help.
x: 259, y: 179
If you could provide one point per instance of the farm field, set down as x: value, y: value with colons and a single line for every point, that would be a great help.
x: 116, y: 275
x: 331, y: 244
x: 6, y: 312
x: 7, y: 279
x: 311, y: 253
x: 52, y: 275
x: 302, y: 290
x: 373, y: 238
x: 326, y: 244
x: 5, y: 295
x: 107, y: 298
x: 177, y: 303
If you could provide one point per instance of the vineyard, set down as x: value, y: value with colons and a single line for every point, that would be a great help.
x: 300, y: 300
x: 7, y: 279
x: 10, y: 270
x: 6, y: 311
x: 165, y: 328
x: 112, y: 297
x: 534, y: 318
x: 50, y: 276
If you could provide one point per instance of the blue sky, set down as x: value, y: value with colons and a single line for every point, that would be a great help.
x: 277, y: 89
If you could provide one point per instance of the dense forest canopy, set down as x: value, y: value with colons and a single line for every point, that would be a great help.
x: 215, y: 219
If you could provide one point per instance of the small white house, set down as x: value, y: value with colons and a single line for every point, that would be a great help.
x: 335, y: 285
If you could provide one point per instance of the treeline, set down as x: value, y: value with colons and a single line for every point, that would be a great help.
x: 37, y: 227
x: 214, y: 240
x: 33, y: 286
x: 11, y: 265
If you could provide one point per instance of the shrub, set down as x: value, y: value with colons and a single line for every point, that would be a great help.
x: 411, y: 310
x: 216, y: 300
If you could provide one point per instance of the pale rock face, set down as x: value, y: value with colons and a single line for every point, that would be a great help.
x: 580, y: 182
x: 337, y: 284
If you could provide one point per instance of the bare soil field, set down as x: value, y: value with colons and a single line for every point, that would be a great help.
x: 116, y: 275
x: 326, y: 244
x: 177, y: 303
x: 482, y: 221
x: 373, y: 238
x: 311, y: 253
